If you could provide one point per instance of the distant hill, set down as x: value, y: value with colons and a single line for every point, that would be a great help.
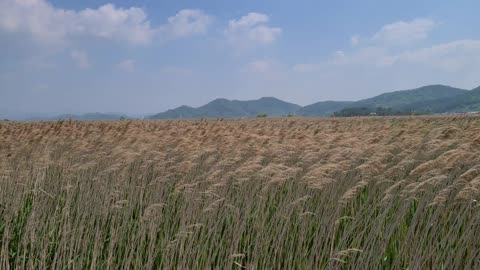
x: 432, y: 99
x: 85, y: 117
x: 224, y: 108
x: 427, y: 99
x: 323, y: 108
x: 403, y: 98
x: 466, y: 102
x: 423, y: 100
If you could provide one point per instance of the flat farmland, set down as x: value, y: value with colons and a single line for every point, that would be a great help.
x: 266, y: 193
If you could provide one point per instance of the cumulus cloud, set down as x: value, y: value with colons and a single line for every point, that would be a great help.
x: 259, y: 66
x: 185, y: 23
x: 454, y: 56
x: 354, y: 40
x: 50, y: 24
x: 381, y: 62
x: 404, y: 32
x: 47, y: 23
x: 397, y: 34
x: 377, y: 50
x: 447, y: 57
x: 80, y: 58
x: 127, y: 65
x: 450, y: 57
x: 251, y: 30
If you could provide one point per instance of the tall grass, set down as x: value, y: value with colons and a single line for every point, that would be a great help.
x: 371, y: 193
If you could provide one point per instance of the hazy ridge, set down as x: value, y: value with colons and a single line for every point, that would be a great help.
x: 431, y: 99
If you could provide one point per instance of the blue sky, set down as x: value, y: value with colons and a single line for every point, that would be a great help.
x: 148, y: 56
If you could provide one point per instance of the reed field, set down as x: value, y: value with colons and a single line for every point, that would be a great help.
x: 266, y: 193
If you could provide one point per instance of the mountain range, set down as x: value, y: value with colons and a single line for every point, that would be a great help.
x: 84, y: 117
x: 431, y: 99
x: 232, y: 109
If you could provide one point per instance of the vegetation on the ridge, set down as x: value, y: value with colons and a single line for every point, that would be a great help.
x: 232, y: 109
x: 424, y: 100
x: 433, y: 99
x: 465, y: 102
x: 366, y: 111
x: 323, y: 108
x: 400, y: 99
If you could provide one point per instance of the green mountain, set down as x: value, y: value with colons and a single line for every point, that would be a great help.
x: 224, y: 108
x: 469, y: 102
x: 432, y: 99
x: 403, y: 98
x: 323, y: 108
x: 466, y: 102
x: 423, y: 100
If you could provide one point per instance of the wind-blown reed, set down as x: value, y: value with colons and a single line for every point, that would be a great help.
x: 272, y: 193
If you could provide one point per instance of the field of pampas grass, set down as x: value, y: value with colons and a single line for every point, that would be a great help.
x: 267, y: 193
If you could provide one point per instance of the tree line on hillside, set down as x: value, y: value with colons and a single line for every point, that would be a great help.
x: 366, y: 111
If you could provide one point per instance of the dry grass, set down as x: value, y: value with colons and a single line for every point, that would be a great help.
x: 391, y: 193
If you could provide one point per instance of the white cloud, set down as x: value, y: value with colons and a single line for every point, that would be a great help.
x: 49, y: 24
x: 404, y: 33
x: 251, y: 30
x: 109, y: 22
x: 80, y: 58
x: 251, y: 19
x: 394, y: 59
x: 374, y: 70
x: 354, y: 40
x: 450, y: 57
x: 303, y: 68
x: 186, y: 22
x: 127, y: 65
x: 259, y: 66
